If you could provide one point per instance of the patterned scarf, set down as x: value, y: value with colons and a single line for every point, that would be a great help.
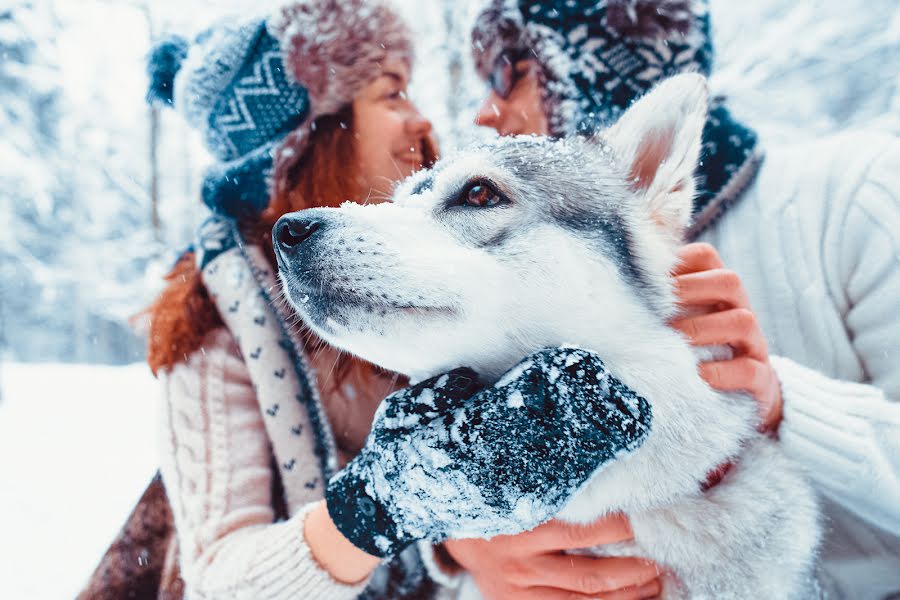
x: 245, y: 290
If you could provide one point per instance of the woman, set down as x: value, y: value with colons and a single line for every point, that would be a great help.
x: 812, y: 231
x: 311, y: 106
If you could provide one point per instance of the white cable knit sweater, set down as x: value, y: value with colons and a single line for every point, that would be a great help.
x: 216, y: 464
x: 817, y: 244
x: 816, y: 241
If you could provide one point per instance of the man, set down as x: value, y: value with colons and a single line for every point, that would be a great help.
x: 812, y: 239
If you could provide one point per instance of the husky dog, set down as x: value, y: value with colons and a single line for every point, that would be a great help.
x: 524, y: 243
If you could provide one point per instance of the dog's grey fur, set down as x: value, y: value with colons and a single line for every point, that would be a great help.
x: 579, y: 253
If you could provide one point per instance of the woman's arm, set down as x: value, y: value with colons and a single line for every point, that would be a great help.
x: 216, y: 463
x: 333, y: 551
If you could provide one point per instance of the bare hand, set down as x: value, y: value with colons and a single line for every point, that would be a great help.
x: 531, y: 565
x: 717, y: 295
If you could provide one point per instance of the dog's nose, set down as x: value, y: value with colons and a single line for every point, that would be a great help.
x: 290, y: 232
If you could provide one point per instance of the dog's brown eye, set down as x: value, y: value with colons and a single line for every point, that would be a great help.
x: 482, y: 195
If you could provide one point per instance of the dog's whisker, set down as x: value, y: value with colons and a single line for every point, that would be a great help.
x: 337, y: 358
x: 396, y: 166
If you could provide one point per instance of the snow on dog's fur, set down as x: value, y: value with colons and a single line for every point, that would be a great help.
x: 572, y: 242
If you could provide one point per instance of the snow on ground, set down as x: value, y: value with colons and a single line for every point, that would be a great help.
x: 77, y: 446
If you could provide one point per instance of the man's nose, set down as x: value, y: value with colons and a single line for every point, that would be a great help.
x: 491, y: 111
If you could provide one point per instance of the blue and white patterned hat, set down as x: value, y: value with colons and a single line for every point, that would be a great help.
x: 231, y: 85
x: 248, y: 86
x: 595, y: 56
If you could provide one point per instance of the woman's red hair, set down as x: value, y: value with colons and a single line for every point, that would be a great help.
x: 323, y: 175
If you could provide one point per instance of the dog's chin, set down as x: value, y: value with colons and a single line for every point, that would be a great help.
x: 348, y: 321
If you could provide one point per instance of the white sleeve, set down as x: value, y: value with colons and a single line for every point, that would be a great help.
x: 216, y: 466
x: 847, y: 434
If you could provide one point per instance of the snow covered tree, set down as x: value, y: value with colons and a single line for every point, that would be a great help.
x: 73, y: 230
x: 31, y: 189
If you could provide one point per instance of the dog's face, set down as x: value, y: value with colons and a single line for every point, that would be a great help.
x: 505, y: 248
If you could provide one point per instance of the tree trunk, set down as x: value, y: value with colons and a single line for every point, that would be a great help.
x: 453, y: 32
x: 154, y: 173
x: 153, y: 146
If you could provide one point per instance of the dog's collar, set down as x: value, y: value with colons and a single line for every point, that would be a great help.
x: 729, y: 161
x: 715, y: 477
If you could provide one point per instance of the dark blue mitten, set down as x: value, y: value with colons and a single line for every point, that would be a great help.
x: 446, y: 458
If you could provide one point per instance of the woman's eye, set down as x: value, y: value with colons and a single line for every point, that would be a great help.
x: 481, y: 195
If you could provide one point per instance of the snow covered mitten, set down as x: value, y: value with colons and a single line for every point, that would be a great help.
x: 446, y: 458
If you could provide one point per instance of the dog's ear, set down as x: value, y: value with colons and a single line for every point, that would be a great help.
x: 658, y: 139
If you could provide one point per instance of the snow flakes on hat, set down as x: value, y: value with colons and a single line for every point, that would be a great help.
x: 210, y: 64
x: 594, y: 56
x: 335, y: 47
x: 652, y: 19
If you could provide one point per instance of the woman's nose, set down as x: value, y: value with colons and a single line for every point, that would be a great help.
x: 418, y: 125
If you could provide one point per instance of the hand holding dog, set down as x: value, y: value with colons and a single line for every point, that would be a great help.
x: 445, y: 459
x: 531, y: 565
x: 703, y: 282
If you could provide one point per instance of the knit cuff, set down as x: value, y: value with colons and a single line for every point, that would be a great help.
x: 823, y: 429
x: 286, y: 569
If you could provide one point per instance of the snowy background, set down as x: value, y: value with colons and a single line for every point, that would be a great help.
x: 98, y: 192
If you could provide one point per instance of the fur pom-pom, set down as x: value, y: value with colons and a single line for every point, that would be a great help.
x: 163, y: 63
x: 652, y: 19
x: 334, y: 47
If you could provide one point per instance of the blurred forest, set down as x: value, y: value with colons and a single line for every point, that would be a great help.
x: 98, y: 191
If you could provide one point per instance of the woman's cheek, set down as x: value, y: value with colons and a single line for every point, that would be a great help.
x: 393, y: 121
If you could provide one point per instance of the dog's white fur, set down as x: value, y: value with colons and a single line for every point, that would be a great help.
x: 430, y: 288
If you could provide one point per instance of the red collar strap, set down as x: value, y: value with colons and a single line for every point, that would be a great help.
x: 714, y: 477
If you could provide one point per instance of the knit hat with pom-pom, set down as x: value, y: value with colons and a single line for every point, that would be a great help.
x: 248, y: 86
x: 595, y: 57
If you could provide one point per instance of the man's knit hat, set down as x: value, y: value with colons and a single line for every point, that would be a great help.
x: 595, y: 57
x: 247, y: 86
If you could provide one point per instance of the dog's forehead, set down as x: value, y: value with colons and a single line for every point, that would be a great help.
x: 506, y: 162
x: 542, y: 161
x: 430, y: 187
x: 465, y: 167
